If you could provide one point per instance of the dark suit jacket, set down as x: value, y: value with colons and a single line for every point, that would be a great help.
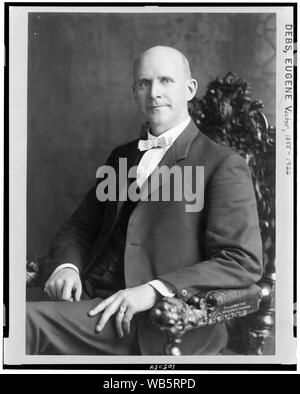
x: 219, y: 247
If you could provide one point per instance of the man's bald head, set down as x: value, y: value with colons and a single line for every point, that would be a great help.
x: 163, y: 51
x: 163, y: 86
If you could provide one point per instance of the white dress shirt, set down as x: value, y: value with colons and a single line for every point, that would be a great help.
x: 146, y: 166
x: 152, y: 157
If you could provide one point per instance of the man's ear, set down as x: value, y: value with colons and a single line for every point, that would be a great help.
x: 192, y: 86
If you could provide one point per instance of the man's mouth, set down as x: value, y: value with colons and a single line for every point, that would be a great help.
x: 156, y: 106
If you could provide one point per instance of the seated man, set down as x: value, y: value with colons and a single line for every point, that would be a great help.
x: 114, y: 259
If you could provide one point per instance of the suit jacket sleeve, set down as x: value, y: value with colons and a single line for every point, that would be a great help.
x: 232, y: 236
x: 76, y: 237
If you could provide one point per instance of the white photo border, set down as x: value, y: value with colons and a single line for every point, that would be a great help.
x: 14, y: 345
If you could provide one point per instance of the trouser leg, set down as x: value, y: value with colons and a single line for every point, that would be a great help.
x: 65, y: 328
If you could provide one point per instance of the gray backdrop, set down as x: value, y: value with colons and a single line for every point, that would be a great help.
x: 80, y: 102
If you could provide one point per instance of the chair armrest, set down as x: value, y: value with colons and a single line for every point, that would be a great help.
x: 175, y: 317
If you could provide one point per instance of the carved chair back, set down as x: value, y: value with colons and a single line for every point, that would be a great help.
x: 228, y: 115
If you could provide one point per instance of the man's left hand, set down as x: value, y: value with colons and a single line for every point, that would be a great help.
x: 125, y: 303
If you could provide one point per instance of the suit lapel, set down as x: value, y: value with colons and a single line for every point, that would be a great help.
x: 133, y: 158
x: 178, y: 151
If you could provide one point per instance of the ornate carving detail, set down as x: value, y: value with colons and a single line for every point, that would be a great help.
x: 33, y: 272
x: 175, y: 317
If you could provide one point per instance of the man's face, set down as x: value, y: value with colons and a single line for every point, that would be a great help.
x: 162, y: 89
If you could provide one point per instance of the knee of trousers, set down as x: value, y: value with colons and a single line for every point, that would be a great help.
x: 32, y: 326
x: 37, y: 313
x: 32, y: 311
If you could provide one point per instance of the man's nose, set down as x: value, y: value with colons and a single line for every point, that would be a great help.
x: 155, y: 90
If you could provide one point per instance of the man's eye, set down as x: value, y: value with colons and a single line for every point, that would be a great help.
x: 143, y: 84
x: 165, y: 81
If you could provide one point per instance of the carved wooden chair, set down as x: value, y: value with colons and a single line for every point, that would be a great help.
x: 229, y: 116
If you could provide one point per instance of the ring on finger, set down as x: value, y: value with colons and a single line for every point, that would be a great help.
x: 122, y: 310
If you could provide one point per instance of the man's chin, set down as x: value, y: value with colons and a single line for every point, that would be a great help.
x: 159, y: 124
x: 158, y: 119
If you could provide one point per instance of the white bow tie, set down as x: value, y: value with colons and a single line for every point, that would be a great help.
x: 158, y: 142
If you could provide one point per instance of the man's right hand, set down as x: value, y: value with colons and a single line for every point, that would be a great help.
x: 64, y: 285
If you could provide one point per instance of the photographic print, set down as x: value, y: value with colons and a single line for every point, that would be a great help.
x: 152, y: 149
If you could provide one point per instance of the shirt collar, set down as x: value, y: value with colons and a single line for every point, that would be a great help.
x: 174, y: 132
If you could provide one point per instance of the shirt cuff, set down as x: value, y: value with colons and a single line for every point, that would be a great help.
x: 66, y: 265
x: 162, y: 288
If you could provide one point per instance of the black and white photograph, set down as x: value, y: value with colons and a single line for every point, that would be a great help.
x: 151, y: 168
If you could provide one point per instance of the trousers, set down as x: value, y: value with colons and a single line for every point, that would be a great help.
x: 64, y: 328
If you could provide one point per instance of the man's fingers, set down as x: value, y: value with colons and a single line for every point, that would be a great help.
x: 109, y: 311
x: 61, y: 284
x: 54, y: 293
x: 119, y: 320
x: 127, y: 320
x: 58, y: 289
x: 78, y: 291
x: 102, y: 305
x: 50, y: 290
x: 66, y: 293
